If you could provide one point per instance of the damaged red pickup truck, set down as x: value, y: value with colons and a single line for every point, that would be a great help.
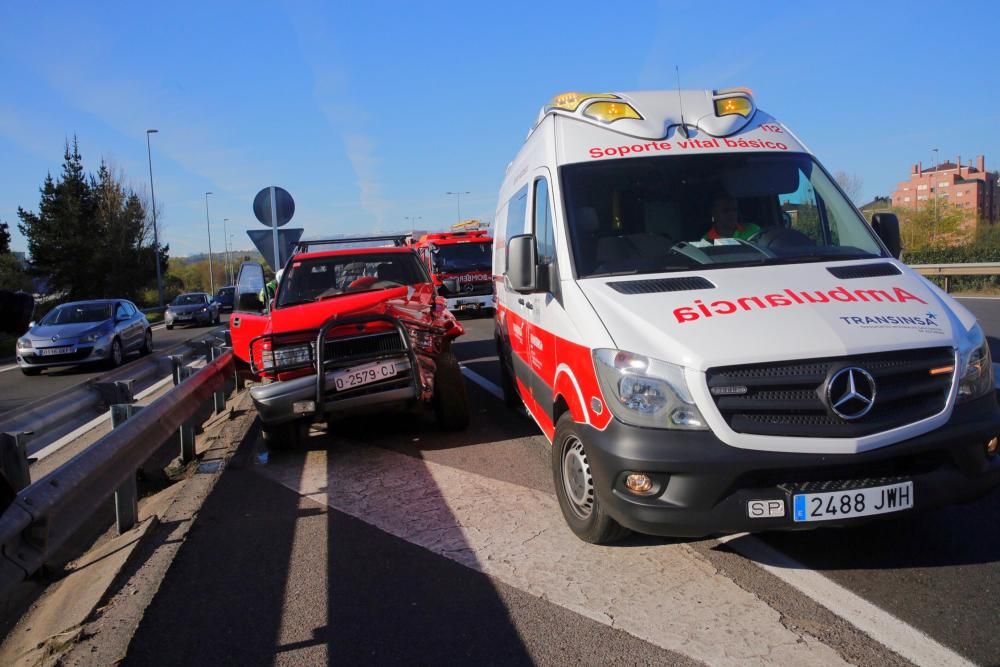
x: 347, y: 330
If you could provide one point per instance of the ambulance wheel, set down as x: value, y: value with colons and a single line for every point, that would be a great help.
x: 575, y: 487
x: 282, y: 436
x: 451, y: 404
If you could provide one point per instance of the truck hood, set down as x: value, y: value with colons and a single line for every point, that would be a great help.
x: 763, y: 314
x: 410, y: 304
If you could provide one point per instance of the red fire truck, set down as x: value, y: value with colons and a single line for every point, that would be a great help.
x: 460, y: 263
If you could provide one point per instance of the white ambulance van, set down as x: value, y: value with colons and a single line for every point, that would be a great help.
x: 711, y: 336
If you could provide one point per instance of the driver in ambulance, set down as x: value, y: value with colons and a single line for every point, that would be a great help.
x: 725, y: 220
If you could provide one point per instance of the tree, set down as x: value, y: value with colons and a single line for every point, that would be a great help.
x: 851, y: 184
x: 4, y: 238
x: 932, y: 225
x: 90, y: 236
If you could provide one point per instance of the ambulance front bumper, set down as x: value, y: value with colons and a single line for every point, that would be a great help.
x: 704, y: 487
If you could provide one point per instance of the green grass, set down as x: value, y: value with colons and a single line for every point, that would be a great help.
x: 154, y: 317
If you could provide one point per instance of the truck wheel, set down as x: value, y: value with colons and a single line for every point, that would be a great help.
x: 282, y: 436
x: 451, y: 404
x: 575, y: 487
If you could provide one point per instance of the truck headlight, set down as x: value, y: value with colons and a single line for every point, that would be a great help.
x: 424, y: 340
x: 289, y: 356
x: 23, y: 344
x: 977, y: 367
x: 646, y: 392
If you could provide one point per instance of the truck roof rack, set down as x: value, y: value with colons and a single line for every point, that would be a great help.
x: 398, y: 240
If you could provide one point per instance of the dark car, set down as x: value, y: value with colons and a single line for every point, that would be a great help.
x: 84, y: 332
x: 225, y: 297
x: 191, y: 308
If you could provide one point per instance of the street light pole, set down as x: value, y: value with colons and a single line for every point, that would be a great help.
x: 225, y: 244
x: 208, y: 225
x: 933, y: 191
x: 458, y: 202
x: 156, y: 235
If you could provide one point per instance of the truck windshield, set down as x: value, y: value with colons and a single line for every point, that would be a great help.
x: 678, y: 213
x: 457, y: 257
x: 323, y: 277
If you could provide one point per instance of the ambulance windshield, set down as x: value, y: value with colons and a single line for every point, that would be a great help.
x: 677, y: 213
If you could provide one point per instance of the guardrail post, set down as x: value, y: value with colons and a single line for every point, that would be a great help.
x: 126, y: 495
x: 176, y: 364
x: 186, y: 435
x: 218, y: 397
x: 114, y: 393
x: 947, y: 284
x: 14, y: 458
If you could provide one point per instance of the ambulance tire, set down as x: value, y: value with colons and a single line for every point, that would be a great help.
x: 282, y: 436
x: 451, y: 404
x: 578, y: 501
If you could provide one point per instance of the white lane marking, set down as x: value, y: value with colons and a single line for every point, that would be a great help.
x: 665, y: 594
x: 157, y: 326
x: 483, y: 382
x: 8, y: 368
x: 880, y: 625
x: 978, y: 298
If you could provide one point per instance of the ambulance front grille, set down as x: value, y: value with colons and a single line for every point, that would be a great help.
x: 790, y: 398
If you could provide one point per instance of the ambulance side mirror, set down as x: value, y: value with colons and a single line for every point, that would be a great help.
x: 886, y: 226
x: 522, y: 263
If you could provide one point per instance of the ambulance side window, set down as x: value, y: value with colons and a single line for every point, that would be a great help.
x: 544, y: 235
x: 517, y: 213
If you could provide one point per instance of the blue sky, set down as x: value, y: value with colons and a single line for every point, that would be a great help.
x: 369, y: 112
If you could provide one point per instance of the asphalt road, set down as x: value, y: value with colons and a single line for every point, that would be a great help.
x: 16, y: 389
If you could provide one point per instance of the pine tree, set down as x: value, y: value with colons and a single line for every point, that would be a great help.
x: 4, y: 238
x: 90, y: 236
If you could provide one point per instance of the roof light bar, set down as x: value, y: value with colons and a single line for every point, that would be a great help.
x: 571, y: 101
x: 609, y: 112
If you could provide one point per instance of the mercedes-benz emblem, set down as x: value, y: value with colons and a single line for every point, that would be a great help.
x: 469, y: 287
x: 850, y: 393
x: 55, y: 338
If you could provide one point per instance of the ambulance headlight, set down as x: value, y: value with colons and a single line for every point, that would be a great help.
x: 646, y: 392
x: 977, y: 367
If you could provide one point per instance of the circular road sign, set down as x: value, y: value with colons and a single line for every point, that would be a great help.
x: 285, y: 206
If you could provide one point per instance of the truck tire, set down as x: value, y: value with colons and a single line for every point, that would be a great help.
x: 282, y: 436
x: 575, y: 487
x: 451, y: 404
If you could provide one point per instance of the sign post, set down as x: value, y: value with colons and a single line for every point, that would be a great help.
x: 274, y: 207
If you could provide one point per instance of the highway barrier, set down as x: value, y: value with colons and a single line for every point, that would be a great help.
x: 46, y: 513
x: 947, y: 270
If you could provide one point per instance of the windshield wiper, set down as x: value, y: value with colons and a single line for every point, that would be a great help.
x: 286, y: 304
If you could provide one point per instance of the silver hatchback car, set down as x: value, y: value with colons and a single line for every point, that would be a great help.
x: 84, y: 332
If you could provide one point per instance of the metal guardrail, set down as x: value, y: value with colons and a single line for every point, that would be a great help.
x: 48, y: 418
x: 947, y: 270
x: 44, y: 515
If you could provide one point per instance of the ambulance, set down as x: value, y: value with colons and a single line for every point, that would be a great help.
x: 460, y: 263
x: 712, y: 337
